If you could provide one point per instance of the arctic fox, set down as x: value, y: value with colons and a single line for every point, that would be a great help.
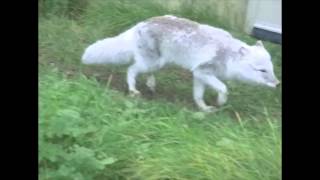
x: 210, y: 53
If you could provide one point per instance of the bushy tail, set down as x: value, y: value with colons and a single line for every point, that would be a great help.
x: 115, y: 50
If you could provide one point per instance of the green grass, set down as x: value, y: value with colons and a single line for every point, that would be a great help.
x: 90, y: 128
x: 146, y: 139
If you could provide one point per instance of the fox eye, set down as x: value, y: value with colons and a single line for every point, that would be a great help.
x: 262, y: 70
x: 258, y: 69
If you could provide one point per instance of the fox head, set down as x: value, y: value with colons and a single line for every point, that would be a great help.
x: 255, y: 66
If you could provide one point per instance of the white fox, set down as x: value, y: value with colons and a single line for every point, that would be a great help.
x: 210, y: 53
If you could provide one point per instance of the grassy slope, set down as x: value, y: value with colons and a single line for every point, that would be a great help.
x: 158, y: 136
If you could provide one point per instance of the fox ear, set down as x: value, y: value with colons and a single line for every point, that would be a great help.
x: 243, y: 51
x: 259, y: 44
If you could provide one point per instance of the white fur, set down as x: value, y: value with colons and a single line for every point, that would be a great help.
x: 114, y: 50
x: 189, y: 50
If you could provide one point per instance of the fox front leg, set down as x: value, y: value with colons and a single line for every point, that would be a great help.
x: 212, y: 82
x: 198, y: 92
x: 151, y: 83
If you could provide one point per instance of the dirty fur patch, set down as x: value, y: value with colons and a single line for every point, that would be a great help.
x: 218, y: 64
x: 149, y: 44
x: 166, y: 23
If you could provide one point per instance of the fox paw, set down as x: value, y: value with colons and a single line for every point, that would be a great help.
x: 134, y: 93
x: 210, y: 109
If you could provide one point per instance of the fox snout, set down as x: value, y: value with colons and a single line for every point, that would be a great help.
x: 274, y: 84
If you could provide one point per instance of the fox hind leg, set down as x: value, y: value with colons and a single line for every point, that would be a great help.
x: 133, y: 71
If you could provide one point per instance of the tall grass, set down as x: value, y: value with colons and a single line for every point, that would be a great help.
x: 90, y: 132
x: 64, y: 8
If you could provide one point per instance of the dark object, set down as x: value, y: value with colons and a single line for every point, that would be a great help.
x: 265, y: 34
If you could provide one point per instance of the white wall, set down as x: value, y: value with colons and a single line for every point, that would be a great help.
x: 267, y: 12
x: 230, y: 13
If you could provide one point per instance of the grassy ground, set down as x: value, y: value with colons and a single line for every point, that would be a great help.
x: 91, y: 129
